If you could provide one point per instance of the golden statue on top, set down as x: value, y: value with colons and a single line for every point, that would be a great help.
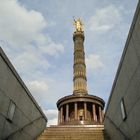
x: 78, y: 24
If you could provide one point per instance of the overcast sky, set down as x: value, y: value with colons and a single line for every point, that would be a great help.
x: 36, y: 35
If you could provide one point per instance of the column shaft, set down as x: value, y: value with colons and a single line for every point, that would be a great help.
x: 67, y: 112
x: 100, y: 114
x: 61, y: 114
x: 75, y: 110
x: 79, y: 67
x: 85, y: 110
x: 94, y: 112
x: 58, y: 116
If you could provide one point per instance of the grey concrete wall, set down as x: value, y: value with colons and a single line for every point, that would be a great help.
x: 127, y: 86
x: 28, y: 120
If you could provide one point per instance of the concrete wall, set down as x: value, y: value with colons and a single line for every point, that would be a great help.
x: 126, y: 86
x: 28, y: 120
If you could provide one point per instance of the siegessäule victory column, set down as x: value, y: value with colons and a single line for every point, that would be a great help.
x: 80, y: 107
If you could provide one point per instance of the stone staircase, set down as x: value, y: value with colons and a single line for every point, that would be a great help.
x: 89, y: 132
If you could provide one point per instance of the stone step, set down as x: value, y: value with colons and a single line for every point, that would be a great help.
x: 74, y: 133
x: 74, y: 130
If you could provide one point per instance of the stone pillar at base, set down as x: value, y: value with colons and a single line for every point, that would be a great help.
x: 75, y: 111
x: 94, y: 112
x: 61, y: 114
x: 100, y: 115
x: 85, y: 110
x: 67, y: 112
